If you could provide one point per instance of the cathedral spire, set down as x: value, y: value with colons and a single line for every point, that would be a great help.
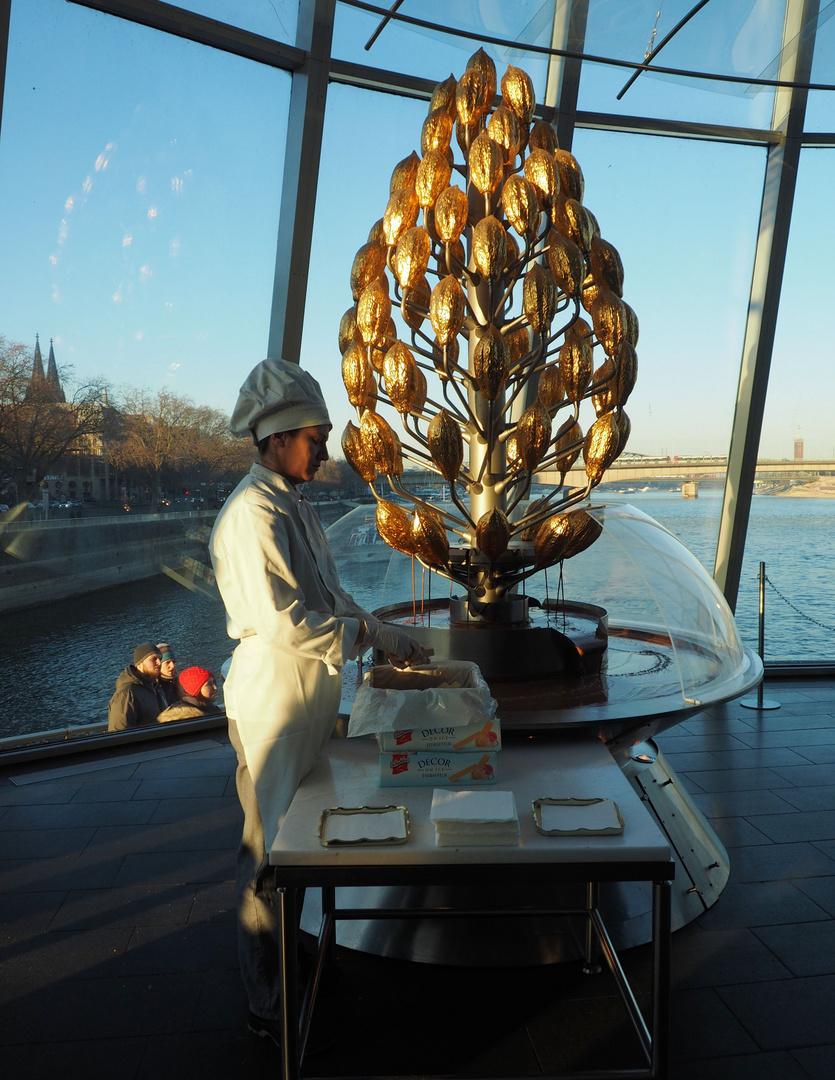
x: 37, y: 366
x: 52, y: 375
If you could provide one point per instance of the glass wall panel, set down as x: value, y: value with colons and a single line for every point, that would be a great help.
x: 793, y: 513
x: 820, y: 110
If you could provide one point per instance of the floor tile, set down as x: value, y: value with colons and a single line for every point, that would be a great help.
x: 804, y: 948
x: 759, y: 904
x: 784, y: 828
x: 821, y: 890
x: 718, y: 957
x: 717, y: 804
x: 818, y: 1061
x: 704, y: 1027
x: 811, y: 798
x: 737, y: 780
x: 779, y: 862
x: 784, y: 1015
x: 140, y: 905
x: 777, y: 1065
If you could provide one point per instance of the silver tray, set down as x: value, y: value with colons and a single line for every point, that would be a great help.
x: 612, y: 830
x: 368, y: 811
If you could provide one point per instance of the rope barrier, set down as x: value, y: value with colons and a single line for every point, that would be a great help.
x: 795, y: 608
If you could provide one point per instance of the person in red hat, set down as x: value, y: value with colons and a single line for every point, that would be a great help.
x: 198, y: 687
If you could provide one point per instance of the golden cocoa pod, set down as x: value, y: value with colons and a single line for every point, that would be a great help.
x: 457, y: 258
x: 395, y: 526
x: 543, y: 137
x: 626, y: 363
x: 595, y: 227
x: 590, y: 292
x: 429, y: 537
x: 443, y: 97
x: 489, y: 247
x: 603, y: 378
x: 355, y: 454
x: 466, y: 134
x: 369, y: 263
x: 512, y: 251
x: 446, y: 309
x: 504, y: 129
x: 401, y: 214
x: 436, y: 131
x: 348, y: 332
x: 551, y: 540
x: 404, y: 173
x: 609, y: 320
x: 571, y: 175
x: 528, y: 534
x: 381, y: 444
x: 486, y: 163
x: 624, y: 430
x: 511, y: 450
x: 411, y: 256
x: 518, y: 93
x: 518, y: 343
x: 572, y: 220
x: 575, y: 366
x: 376, y: 234
x: 373, y: 310
x: 370, y: 389
x: 539, y: 298
x: 492, y: 533
x: 355, y: 371
x: 451, y: 211
x: 491, y: 363
x: 566, y: 263
x: 533, y: 435
x: 486, y: 69
x: 470, y: 93
x: 453, y: 350
x: 433, y: 176
x: 568, y: 443
x: 606, y: 266
x: 584, y: 530
x: 420, y: 394
x: 445, y: 445
x: 541, y: 172
x: 520, y: 205
x: 631, y: 324
x: 415, y: 303
x: 400, y: 373
x: 551, y: 391
x: 376, y: 355
x: 600, y: 447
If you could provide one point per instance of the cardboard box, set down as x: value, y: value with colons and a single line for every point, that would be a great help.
x: 438, y: 769
x: 454, y: 738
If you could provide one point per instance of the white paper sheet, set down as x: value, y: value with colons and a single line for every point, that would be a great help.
x: 372, y: 827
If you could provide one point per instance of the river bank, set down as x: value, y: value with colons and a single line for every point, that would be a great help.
x: 822, y: 488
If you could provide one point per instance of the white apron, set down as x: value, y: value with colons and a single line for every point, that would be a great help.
x: 296, y: 626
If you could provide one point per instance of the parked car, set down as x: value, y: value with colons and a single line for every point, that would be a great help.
x: 3, y: 508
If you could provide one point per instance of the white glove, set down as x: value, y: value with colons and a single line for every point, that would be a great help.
x: 395, y: 642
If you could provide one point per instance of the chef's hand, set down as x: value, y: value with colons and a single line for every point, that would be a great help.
x: 398, y: 645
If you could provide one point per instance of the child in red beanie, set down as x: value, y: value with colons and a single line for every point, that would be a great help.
x: 197, y: 687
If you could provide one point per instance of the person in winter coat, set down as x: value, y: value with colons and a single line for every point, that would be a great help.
x: 168, y: 673
x: 297, y: 627
x: 197, y: 688
x: 138, y: 699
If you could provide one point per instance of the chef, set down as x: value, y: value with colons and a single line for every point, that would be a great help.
x: 296, y: 627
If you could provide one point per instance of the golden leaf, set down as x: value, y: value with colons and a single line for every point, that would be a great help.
x: 543, y: 137
x: 491, y: 362
x: 584, y: 530
x: 451, y: 211
x: 609, y: 320
x: 411, y: 256
x: 348, y: 332
x: 355, y: 369
x: 443, y: 97
x: 504, y: 129
x: 539, y: 298
x: 381, y: 444
x: 520, y: 205
x: 541, y: 172
x: 551, y: 540
x: 533, y: 434
x: 518, y: 343
x: 446, y: 309
x: 445, y: 445
x: 395, y: 526
x: 565, y: 261
x: 551, y: 390
x: 369, y: 263
x: 486, y: 163
x: 400, y: 373
x: 401, y: 214
x: 429, y: 537
x: 606, y: 266
x: 489, y: 247
x: 404, y: 173
x: 572, y: 220
x: 433, y: 176
x: 567, y: 445
x: 492, y: 533
x: 436, y: 131
x: 571, y: 175
x: 575, y: 366
x: 518, y: 93
x: 601, y: 446
x: 415, y: 304
x: 355, y: 454
x: 373, y: 310
x: 486, y: 69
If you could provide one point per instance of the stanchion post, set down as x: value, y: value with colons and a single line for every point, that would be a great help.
x: 759, y: 702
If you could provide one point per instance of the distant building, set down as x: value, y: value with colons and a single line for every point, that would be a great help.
x: 798, y: 449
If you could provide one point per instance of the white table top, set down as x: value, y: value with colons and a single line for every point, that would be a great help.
x: 347, y: 775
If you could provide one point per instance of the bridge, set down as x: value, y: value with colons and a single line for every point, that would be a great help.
x: 637, y: 467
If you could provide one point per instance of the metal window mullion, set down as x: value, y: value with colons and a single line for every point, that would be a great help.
x: 562, y: 86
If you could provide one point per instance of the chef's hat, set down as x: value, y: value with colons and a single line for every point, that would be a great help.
x: 278, y: 396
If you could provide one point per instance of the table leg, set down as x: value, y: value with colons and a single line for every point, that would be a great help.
x: 662, y: 948
x: 591, y: 956
x: 288, y: 902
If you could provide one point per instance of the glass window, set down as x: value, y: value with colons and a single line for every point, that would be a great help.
x: 274, y: 19
x: 820, y: 111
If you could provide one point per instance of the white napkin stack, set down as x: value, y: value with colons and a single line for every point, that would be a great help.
x: 474, y: 818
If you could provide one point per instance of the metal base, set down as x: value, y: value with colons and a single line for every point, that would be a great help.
x: 759, y: 703
x: 702, y: 872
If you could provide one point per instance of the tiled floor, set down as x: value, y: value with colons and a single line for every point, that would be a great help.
x: 117, y: 957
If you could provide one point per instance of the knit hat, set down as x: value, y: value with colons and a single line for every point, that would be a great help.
x: 278, y: 396
x: 193, y: 678
x: 142, y: 652
x: 165, y: 651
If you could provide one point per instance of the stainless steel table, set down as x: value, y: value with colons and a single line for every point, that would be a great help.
x: 347, y: 775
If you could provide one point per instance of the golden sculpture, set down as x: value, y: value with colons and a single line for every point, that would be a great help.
x: 491, y: 248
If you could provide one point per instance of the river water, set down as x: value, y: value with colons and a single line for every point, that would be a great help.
x: 63, y: 659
